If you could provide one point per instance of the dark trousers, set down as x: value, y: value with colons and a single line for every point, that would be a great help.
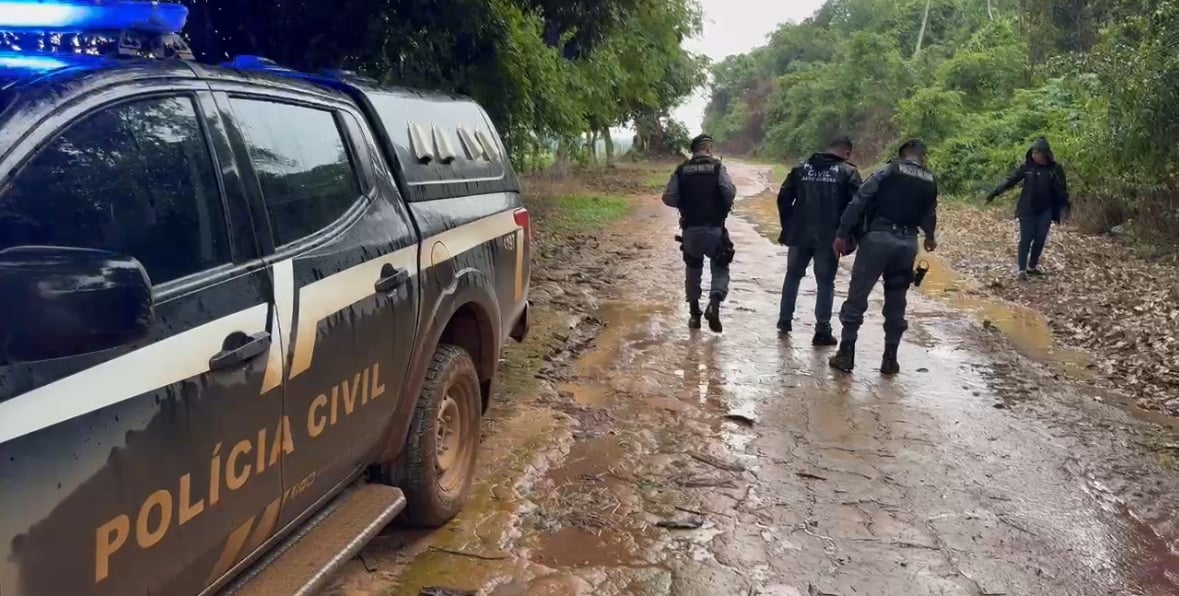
x: 701, y: 242
x: 887, y: 254
x: 826, y: 264
x: 1033, y: 235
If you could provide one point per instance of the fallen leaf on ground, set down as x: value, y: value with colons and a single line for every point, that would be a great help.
x: 740, y: 419
x: 680, y: 524
x: 1099, y: 296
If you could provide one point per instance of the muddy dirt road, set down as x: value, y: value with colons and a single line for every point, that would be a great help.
x: 654, y: 460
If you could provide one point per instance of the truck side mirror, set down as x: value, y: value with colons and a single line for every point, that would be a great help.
x: 57, y: 302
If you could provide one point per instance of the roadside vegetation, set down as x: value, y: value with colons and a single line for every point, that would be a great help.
x: 578, y: 212
x: 978, y: 80
x: 555, y: 75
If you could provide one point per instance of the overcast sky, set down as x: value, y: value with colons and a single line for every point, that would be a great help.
x: 734, y: 27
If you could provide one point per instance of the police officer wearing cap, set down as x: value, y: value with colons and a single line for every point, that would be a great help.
x: 703, y: 192
x: 884, y: 219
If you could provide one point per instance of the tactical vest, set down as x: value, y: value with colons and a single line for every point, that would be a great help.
x: 906, y: 195
x: 701, y: 203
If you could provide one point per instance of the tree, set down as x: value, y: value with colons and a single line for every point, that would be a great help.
x: 924, y: 23
x: 544, y: 69
x: 1099, y: 78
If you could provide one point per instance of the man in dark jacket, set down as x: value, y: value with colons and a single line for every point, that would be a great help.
x: 886, y: 213
x: 1044, y: 200
x: 703, y: 192
x: 810, y: 203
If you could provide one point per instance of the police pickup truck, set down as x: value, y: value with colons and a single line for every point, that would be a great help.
x: 248, y: 315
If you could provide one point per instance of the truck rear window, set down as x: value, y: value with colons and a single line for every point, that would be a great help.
x: 447, y: 147
x: 303, y: 165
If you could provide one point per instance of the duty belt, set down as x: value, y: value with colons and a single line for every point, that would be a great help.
x: 888, y: 226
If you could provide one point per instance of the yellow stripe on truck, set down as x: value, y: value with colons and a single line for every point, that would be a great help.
x: 330, y: 295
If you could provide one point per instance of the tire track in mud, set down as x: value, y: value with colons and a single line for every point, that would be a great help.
x: 528, y: 431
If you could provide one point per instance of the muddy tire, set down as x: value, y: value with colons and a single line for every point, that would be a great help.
x: 443, y: 443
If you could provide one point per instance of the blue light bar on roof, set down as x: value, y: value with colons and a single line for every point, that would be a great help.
x: 34, y: 63
x: 62, y: 15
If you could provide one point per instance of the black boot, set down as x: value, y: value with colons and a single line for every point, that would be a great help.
x: 694, y: 314
x: 713, y: 316
x: 845, y: 358
x: 785, y: 328
x: 823, y: 337
x: 889, y: 364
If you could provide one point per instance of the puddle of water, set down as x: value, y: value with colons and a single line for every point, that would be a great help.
x: 1145, y: 555
x: 594, y: 396
x: 624, y: 320
x: 575, y: 547
x: 762, y: 211
x: 1026, y: 328
x: 1162, y: 568
x: 588, y: 458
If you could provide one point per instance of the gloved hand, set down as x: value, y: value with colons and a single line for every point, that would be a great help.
x: 930, y: 245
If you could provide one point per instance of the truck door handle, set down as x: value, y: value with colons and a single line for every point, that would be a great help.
x: 239, y: 348
x: 391, y: 278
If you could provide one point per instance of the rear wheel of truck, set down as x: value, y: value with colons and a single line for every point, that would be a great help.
x: 443, y: 442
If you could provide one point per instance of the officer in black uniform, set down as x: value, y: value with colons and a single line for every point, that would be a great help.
x: 703, y: 192
x: 810, y: 204
x: 884, y: 218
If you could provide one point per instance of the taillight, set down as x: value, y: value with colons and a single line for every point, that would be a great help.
x: 524, y: 221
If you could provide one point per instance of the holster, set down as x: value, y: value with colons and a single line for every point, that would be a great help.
x: 728, y: 251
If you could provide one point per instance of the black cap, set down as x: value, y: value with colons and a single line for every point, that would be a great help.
x: 912, y: 146
x: 700, y: 140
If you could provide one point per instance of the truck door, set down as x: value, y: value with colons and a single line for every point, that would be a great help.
x: 151, y: 467
x: 345, y: 258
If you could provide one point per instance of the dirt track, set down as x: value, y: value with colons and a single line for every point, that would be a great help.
x: 980, y: 470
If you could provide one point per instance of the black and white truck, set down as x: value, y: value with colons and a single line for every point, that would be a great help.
x: 248, y: 315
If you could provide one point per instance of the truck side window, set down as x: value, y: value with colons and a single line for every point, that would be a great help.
x: 307, y: 176
x: 136, y: 178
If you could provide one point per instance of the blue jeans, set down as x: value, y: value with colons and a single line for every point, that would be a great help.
x: 826, y: 264
x: 1033, y: 234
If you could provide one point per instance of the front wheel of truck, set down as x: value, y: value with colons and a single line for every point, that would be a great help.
x: 443, y: 442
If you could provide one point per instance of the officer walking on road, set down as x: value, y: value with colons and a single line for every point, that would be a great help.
x: 1044, y: 200
x: 703, y: 192
x: 810, y: 203
x: 888, y: 209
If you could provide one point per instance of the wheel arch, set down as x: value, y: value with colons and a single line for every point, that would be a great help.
x: 470, y: 328
x: 468, y: 317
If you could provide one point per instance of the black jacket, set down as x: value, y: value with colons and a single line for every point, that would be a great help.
x: 1045, y: 188
x: 812, y: 200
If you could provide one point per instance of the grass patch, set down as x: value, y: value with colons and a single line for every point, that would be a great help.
x: 521, y: 361
x: 656, y: 180
x: 578, y: 213
x: 779, y: 172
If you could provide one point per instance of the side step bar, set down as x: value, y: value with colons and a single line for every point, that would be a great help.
x: 304, y: 563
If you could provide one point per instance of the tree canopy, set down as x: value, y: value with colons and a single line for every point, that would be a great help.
x: 978, y: 80
x: 548, y: 71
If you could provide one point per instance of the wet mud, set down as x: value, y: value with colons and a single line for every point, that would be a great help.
x: 650, y: 459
